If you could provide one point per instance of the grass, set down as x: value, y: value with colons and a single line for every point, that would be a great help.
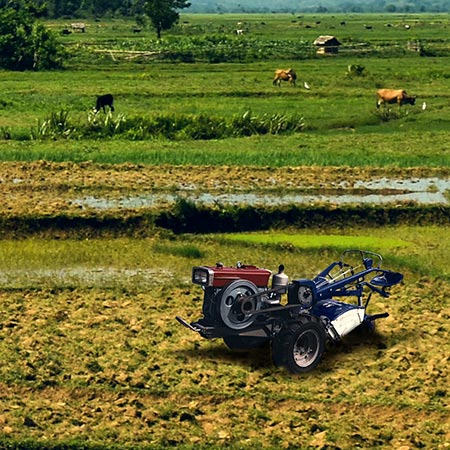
x: 341, y: 123
x: 95, y: 262
x: 277, y: 27
x: 340, y: 148
x: 417, y: 250
x: 309, y: 241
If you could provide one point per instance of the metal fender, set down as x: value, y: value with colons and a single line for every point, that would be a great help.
x: 343, y: 317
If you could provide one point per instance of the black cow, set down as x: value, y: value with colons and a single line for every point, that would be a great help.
x: 104, y: 100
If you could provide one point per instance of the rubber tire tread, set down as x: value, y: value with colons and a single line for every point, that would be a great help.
x: 282, y: 346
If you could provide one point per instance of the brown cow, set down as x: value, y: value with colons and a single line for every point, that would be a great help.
x: 398, y: 96
x: 284, y: 75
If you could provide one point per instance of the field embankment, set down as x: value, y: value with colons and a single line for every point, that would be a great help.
x: 87, y: 199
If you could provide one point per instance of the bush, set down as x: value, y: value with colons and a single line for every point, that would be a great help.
x: 26, y: 44
x: 387, y: 114
x: 56, y: 125
x: 171, y: 126
x: 102, y: 125
x: 355, y: 70
x: 48, y: 54
x: 247, y: 125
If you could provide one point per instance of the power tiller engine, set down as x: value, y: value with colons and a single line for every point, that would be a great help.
x: 241, y: 308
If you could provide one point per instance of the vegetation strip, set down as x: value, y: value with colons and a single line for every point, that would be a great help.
x: 188, y: 218
x: 309, y: 241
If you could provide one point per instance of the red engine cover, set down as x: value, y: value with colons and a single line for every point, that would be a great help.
x: 223, y: 275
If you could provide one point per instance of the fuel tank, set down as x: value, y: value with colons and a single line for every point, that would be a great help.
x: 218, y: 275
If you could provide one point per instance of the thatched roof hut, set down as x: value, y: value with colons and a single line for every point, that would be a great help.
x: 327, y: 44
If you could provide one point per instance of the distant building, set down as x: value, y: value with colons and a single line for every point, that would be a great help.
x: 327, y: 44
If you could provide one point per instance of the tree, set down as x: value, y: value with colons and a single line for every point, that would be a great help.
x: 48, y: 54
x: 163, y: 14
x: 24, y: 42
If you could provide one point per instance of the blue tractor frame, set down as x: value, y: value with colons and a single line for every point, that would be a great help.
x: 243, y: 311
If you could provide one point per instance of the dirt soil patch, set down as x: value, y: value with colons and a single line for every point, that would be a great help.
x: 115, y: 368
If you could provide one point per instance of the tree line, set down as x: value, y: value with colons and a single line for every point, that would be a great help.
x: 323, y: 6
x: 66, y: 9
x: 26, y: 44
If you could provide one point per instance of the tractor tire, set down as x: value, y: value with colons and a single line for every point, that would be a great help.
x: 300, y: 347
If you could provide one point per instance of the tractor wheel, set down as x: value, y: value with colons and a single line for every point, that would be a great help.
x: 300, y: 347
x: 228, y: 304
x: 244, y: 342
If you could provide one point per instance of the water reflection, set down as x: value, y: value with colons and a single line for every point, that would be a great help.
x: 425, y: 191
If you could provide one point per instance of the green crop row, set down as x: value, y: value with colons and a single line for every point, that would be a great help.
x: 210, y: 48
x: 170, y: 126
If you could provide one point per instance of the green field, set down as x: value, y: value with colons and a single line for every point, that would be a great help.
x: 91, y: 354
x: 337, y: 113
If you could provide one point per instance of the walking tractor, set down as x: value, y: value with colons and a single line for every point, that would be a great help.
x: 298, y: 317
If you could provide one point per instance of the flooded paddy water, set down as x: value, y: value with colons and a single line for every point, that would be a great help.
x: 426, y: 191
x: 98, y: 277
x: 44, y: 189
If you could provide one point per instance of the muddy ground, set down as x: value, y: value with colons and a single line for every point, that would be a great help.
x: 44, y: 188
x: 104, y: 368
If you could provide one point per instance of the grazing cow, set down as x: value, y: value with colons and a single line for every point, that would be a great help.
x: 104, y: 100
x: 398, y: 96
x: 284, y: 75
